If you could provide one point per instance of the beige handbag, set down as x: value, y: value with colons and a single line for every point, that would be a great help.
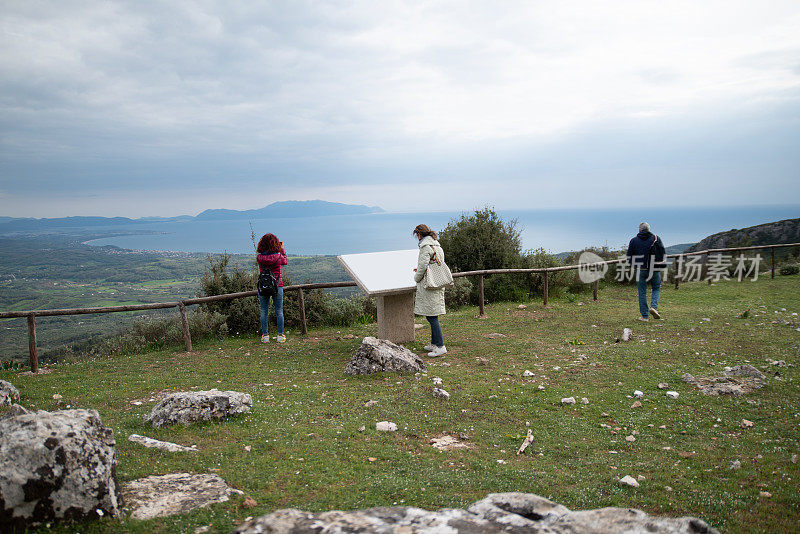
x: 437, y: 275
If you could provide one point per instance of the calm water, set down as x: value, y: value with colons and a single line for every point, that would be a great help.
x: 553, y: 230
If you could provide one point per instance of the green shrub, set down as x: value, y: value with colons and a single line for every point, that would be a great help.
x: 787, y: 270
x: 459, y: 294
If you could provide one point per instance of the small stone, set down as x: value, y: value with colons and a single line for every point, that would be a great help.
x: 248, y: 448
x: 636, y: 404
x: 628, y: 480
x: 568, y: 400
x: 735, y: 464
x: 638, y: 394
x: 57, y: 397
x: 764, y: 494
x: 370, y: 403
x: 668, y: 488
x: 746, y: 424
x: 371, y: 459
x: 626, y: 334
x: 386, y: 426
x: 362, y: 428
x: 501, y: 461
x: 249, y: 502
x: 794, y: 459
x: 641, y: 478
x: 440, y: 393
x: 527, y: 373
x: 663, y: 385
x: 437, y: 380
x: 584, y: 400
x: 521, y: 307
x: 417, y: 326
x: 672, y: 394
x: 540, y: 387
x: 630, y: 439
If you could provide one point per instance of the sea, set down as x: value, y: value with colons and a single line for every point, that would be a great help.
x: 554, y: 230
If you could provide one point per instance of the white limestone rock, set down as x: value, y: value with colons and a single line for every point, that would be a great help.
x: 192, y: 406
x: 380, y: 355
x: 57, y: 466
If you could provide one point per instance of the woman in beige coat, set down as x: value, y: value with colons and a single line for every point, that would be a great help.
x: 429, y: 302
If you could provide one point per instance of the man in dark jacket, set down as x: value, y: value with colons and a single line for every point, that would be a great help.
x: 646, y: 255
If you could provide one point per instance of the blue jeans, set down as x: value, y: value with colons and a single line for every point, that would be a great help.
x: 436, y: 331
x: 277, y: 300
x: 641, y: 285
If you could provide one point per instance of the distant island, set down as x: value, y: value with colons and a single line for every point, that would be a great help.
x: 289, y: 209
x: 276, y: 210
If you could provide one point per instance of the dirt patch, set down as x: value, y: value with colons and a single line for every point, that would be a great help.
x: 736, y: 381
x: 446, y: 442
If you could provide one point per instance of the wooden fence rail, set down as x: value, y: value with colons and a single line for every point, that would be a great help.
x: 182, y: 304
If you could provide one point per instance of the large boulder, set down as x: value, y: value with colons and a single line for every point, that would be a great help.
x: 189, y: 407
x: 176, y: 493
x: 377, y: 355
x: 509, y: 513
x: 56, y: 466
x: 8, y: 393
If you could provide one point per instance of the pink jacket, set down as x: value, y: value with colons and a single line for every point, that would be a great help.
x: 273, y: 261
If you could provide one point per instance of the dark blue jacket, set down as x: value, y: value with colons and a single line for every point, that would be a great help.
x: 642, y: 247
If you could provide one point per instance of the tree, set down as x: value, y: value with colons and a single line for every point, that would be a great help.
x: 483, y: 240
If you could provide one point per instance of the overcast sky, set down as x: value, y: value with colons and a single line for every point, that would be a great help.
x: 145, y: 108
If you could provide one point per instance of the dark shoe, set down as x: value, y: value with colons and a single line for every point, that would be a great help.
x: 654, y: 313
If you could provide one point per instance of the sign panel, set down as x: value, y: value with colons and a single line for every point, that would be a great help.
x: 381, y: 273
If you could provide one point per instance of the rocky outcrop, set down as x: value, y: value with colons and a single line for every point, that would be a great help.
x: 176, y: 493
x: 189, y: 407
x: 379, y: 355
x: 510, y: 513
x: 786, y: 231
x: 8, y: 393
x: 56, y: 466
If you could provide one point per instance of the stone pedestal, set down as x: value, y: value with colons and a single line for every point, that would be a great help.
x: 396, y: 317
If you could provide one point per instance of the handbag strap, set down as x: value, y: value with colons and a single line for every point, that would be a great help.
x: 433, y: 257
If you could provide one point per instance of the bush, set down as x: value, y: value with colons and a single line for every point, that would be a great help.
x: 787, y: 270
x: 484, y: 241
x: 458, y: 295
x: 241, y: 315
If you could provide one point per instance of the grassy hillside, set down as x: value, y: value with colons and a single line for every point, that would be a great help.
x: 307, y: 451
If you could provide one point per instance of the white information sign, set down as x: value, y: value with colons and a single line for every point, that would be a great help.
x: 381, y: 273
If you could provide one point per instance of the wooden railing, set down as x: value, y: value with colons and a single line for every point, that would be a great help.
x: 182, y: 304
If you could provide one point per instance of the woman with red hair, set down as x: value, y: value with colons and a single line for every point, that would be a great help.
x: 271, y: 255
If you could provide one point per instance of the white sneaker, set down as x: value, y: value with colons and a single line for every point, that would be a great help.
x: 438, y: 351
x: 281, y: 338
x: 654, y: 313
x: 643, y: 319
x: 429, y: 347
x: 265, y: 339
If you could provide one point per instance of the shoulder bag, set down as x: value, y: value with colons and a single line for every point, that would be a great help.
x: 437, y: 275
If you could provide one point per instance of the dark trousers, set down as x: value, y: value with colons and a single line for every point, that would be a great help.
x: 436, y: 331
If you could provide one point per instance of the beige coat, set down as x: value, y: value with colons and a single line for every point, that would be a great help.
x: 428, y: 302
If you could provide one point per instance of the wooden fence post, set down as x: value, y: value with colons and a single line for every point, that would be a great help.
x: 187, y: 336
x: 32, y: 343
x: 301, y: 298
x: 704, y: 269
x: 545, y: 291
x: 675, y: 270
x: 594, y: 289
x: 772, y: 252
x: 481, y: 306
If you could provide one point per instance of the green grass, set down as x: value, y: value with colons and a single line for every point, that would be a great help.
x: 307, y: 451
